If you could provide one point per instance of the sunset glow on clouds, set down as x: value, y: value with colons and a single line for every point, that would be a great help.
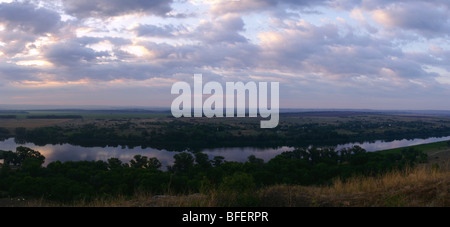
x: 326, y: 54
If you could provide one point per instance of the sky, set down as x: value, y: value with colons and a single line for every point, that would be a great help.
x: 341, y: 54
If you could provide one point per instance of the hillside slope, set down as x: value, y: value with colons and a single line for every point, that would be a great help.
x: 427, y: 185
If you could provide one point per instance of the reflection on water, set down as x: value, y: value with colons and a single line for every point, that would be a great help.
x: 381, y: 145
x: 67, y: 152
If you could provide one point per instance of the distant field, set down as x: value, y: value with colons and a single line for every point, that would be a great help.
x: 13, y: 119
x: 326, y: 116
x: 44, y: 118
x: 89, y: 114
x: 30, y: 123
x: 137, y: 127
x: 430, y: 147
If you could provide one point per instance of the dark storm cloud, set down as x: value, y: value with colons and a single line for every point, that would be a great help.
x: 111, y: 8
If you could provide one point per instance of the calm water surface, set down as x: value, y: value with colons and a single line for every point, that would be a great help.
x: 67, y: 152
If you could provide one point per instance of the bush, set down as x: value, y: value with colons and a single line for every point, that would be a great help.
x: 238, y: 182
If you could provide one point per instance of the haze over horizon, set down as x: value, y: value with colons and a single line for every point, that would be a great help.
x: 136, y: 109
x: 326, y: 54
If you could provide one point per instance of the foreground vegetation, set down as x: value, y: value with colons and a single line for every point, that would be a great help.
x: 412, y: 187
x: 22, y: 174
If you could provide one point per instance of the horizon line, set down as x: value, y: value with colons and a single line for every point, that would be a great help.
x: 141, y: 107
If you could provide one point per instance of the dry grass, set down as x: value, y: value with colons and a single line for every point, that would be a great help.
x: 415, y: 187
x: 138, y: 200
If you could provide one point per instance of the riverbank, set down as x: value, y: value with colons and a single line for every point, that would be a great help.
x: 425, y: 185
x: 171, y: 134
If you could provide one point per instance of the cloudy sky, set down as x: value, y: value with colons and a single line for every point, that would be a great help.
x: 375, y: 54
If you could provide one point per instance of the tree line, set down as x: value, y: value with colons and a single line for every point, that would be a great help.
x: 174, y: 134
x: 23, y: 173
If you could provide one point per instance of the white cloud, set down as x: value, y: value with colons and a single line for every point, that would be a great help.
x: 111, y: 8
x: 376, y: 48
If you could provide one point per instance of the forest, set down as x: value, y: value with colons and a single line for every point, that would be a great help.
x: 23, y: 174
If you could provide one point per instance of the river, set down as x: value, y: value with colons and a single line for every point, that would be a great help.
x: 67, y: 152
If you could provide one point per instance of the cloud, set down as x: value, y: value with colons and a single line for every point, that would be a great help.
x: 226, y: 29
x: 72, y: 53
x: 23, y: 24
x: 15, y: 42
x: 99, y: 8
x: 291, y: 46
x: 326, y: 54
x: 29, y: 18
x: 224, y: 7
x: 343, y: 49
x: 427, y: 18
x: 150, y: 30
x: 13, y: 73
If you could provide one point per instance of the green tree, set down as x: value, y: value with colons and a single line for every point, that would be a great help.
x: 254, y: 160
x: 20, y: 135
x: 114, y: 163
x: 4, y: 171
x: 154, y: 163
x: 139, y: 162
x: 183, y: 162
x: 10, y: 157
x: 202, y: 160
x: 218, y: 161
x: 22, y: 154
x: 25, y: 153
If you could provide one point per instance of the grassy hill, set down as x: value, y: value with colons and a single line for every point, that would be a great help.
x: 417, y: 187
